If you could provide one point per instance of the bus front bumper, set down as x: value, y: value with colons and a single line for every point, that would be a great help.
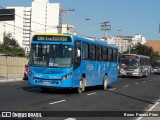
x: 129, y: 73
x: 50, y: 83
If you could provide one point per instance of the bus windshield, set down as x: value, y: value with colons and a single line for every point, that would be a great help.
x: 129, y: 63
x: 59, y: 56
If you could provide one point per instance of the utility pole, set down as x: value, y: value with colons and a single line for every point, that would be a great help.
x: 129, y: 47
x: 105, y: 27
x: 129, y: 39
x: 68, y: 11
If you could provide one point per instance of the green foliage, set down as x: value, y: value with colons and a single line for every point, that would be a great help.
x: 11, y: 47
x: 145, y: 50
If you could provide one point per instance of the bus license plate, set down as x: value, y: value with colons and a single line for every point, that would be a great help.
x: 46, y: 83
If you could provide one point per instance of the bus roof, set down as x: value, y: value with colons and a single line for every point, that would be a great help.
x: 96, y: 41
x: 90, y: 40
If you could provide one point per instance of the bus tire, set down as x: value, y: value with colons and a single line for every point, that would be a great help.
x: 146, y: 74
x: 105, y: 82
x: 140, y: 74
x: 82, y: 85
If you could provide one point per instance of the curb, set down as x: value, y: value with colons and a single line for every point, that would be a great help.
x: 11, y: 80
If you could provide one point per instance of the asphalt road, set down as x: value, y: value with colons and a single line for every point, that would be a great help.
x: 127, y: 94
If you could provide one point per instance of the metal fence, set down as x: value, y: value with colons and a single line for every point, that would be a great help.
x: 12, y: 66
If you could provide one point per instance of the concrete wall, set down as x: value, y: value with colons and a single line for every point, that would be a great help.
x: 12, y: 65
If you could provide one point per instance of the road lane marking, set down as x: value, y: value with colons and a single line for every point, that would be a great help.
x: 150, y: 80
x: 91, y: 93
x: 126, y: 86
x: 112, y: 89
x: 57, y: 102
x: 154, y: 105
x: 136, y: 83
x: 70, y: 119
x: 144, y: 81
x: 150, y: 109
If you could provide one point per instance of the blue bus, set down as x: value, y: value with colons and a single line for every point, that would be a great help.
x: 67, y: 61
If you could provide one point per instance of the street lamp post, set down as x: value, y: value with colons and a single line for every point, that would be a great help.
x: 68, y: 10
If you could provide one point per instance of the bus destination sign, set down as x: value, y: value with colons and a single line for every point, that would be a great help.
x: 48, y: 38
x: 130, y: 57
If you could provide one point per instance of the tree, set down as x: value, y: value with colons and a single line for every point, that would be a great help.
x: 11, y: 47
x: 8, y: 40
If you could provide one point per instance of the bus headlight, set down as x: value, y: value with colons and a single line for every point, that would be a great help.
x: 155, y: 70
x: 32, y: 76
x: 122, y: 70
x: 66, y: 76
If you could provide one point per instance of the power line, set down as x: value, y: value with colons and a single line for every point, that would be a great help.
x: 105, y: 27
x: 33, y: 21
x: 17, y: 27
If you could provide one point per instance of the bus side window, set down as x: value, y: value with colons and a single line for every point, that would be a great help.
x: 114, y: 55
x: 104, y: 54
x: 110, y: 55
x: 92, y: 52
x: 85, y: 51
x: 98, y: 53
x: 77, y: 54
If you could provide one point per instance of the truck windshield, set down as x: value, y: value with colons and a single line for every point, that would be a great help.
x: 129, y: 63
x: 59, y: 56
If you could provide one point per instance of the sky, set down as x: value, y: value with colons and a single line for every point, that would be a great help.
x: 126, y: 17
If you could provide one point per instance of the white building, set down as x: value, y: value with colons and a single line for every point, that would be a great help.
x: 138, y: 39
x: 2, y: 27
x: 126, y: 42
x: 68, y: 29
x: 46, y: 17
x: 18, y: 27
x: 41, y: 17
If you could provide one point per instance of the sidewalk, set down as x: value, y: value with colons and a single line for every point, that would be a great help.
x: 11, y: 78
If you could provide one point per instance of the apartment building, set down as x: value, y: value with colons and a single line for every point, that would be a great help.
x: 41, y: 17
x: 126, y: 42
x: 2, y: 28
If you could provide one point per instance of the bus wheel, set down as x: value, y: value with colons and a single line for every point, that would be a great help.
x: 146, y: 74
x: 105, y: 82
x: 82, y: 85
x: 140, y: 74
